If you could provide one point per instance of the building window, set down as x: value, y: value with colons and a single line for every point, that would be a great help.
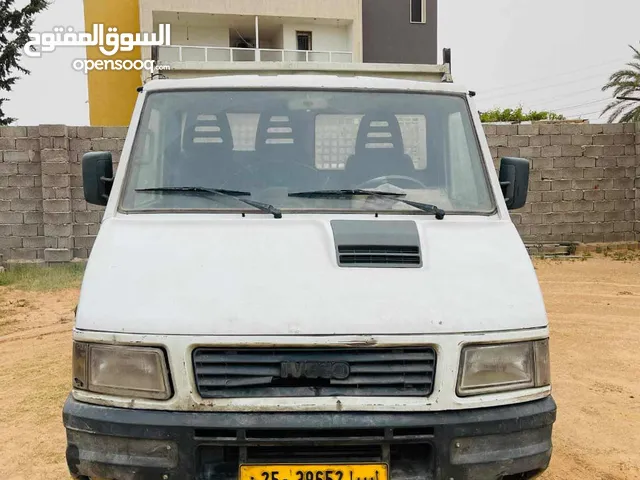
x: 304, y: 40
x: 418, y: 11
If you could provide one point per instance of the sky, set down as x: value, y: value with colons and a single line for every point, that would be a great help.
x: 538, y: 54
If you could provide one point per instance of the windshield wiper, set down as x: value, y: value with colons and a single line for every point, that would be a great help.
x: 207, y: 192
x: 347, y: 192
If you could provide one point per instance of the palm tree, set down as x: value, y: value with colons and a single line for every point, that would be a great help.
x: 625, y: 82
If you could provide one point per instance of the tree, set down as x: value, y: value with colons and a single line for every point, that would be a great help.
x: 517, y: 115
x: 15, y: 26
x: 625, y: 84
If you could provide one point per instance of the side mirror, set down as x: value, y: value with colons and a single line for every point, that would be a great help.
x: 514, y: 180
x: 97, y: 177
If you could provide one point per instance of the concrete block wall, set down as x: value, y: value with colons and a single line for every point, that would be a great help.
x: 584, y: 185
x: 43, y: 214
x: 584, y: 180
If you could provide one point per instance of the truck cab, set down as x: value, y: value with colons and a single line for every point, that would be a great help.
x: 308, y: 277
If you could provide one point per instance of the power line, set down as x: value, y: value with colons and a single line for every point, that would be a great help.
x: 549, y: 77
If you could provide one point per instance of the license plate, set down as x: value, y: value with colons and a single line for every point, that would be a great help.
x: 377, y: 471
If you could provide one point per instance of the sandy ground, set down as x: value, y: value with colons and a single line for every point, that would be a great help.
x: 594, y: 312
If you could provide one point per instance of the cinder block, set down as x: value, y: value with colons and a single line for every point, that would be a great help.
x: 518, y: 141
x: 572, y: 195
x: 614, y: 237
x: 530, y: 152
x: 561, y: 185
x: 574, y: 217
x: 594, y: 217
x: 56, y: 218
x: 627, y: 161
x: 53, y: 130
x: 554, y: 217
x: 507, y: 129
x: 615, y: 172
x: 80, y: 144
x: 541, y: 163
x: 84, y: 241
x: 550, y: 129
x: 54, y: 155
x: 629, y: 128
x: 89, y: 132
x: 560, y: 206
x: 593, y: 173
x: 21, y: 205
x: 551, y: 197
x: 561, y: 228
x: 582, y: 140
x: 80, y: 230
x: 95, y: 227
x: 10, y: 242
x: 606, y: 206
x: 606, y: 162
x: 614, y: 216
x: 585, y: 162
x: 497, y: 141
x: 55, y: 168
x: 570, y: 129
x: 593, y: 238
x: 543, y: 207
x: 564, y: 162
x: 630, y: 150
x: 30, y: 192
x: 26, y: 144
x: 24, y: 254
x: 58, y: 230
x: 87, y: 217
x: 540, y: 229
x: 624, y: 205
x: 16, y: 156
x: 55, y: 181
x: 61, y: 142
x: 9, y: 193
x: 571, y: 150
x: 114, y: 132
x: 104, y: 144
x: 8, y: 169
x: 614, y: 151
x: 583, y: 205
x: 72, y: 132
x: 586, y: 184
x: 622, y: 226
x: 28, y: 168
x: 22, y: 181
x: 65, y: 242
x: 508, y: 151
x: 34, y: 217
x: 561, y: 140
x: 33, y: 242
x: 515, y: 218
x: 603, y: 140
x: 55, y: 255
x: 623, y: 183
x: 523, y: 229
x: 552, y: 151
x: 540, y: 140
x: 594, y: 151
x: 7, y: 143
x: 11, y: 218
x: 13, y: 132
x: 24, y: 230
x: 80, y: 253
x: 538, y: 186
x: 489, y: 129
x: 612, y: 128
x: 591, y: 129
x: 56, y: 205
x: 582, y: 227
x: 532, y: 129
x: 614, y: 194
x: 593, y: 195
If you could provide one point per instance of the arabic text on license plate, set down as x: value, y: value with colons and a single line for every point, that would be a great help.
x: 314, y: 472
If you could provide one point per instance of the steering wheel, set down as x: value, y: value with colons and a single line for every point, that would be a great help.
x: 387, y: 178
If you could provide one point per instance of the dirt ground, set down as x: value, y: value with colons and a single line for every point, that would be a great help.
x: 594, y: 312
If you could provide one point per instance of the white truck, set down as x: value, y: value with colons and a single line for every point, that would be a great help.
x: 308, y: 274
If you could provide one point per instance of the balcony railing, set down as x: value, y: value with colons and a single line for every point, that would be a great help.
x: 183, y: 53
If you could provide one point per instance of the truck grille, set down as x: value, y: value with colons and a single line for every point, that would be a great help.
x: 288, y: 372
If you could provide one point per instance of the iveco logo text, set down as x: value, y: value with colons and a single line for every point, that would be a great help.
x: 337, y: 370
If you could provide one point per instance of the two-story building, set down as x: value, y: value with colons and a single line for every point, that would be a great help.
x: 211, y: 35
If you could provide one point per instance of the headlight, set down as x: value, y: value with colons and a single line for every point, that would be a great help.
x: 503, y: 367
x: 121, y: 370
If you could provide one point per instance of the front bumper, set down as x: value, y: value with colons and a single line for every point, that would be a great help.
x: 129, y: 444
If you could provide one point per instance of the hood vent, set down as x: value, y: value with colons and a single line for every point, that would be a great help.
x: 378, y: 255
x: 377, y: 244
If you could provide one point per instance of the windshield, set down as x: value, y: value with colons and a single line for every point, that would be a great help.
x: 275, y: 143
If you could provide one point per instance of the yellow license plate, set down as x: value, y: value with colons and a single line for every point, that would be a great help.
x: 377, y: 471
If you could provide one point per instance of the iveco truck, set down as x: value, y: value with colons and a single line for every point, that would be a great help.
x: 308, y: 274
